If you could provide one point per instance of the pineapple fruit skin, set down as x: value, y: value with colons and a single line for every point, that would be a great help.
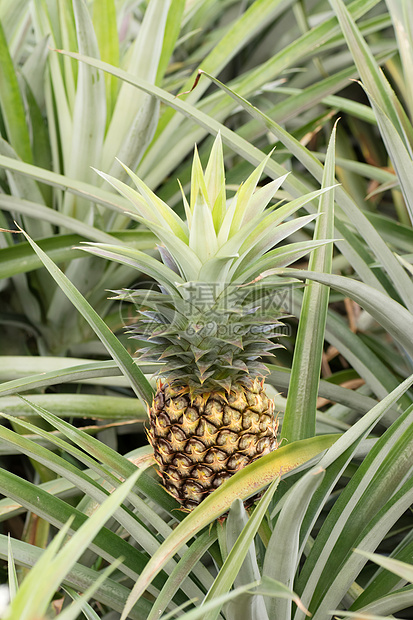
x: 200, y: 440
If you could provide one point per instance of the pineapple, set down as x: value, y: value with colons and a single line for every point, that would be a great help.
x: 201, y: 439
x: 210, y: 322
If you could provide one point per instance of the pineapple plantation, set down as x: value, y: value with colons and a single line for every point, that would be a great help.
x: 206, y: 391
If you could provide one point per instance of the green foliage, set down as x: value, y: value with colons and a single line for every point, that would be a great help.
x: 86, y: 84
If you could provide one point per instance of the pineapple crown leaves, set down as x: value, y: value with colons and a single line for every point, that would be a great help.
x: 205, y: 325
x: 147, y: 205
x: 218, y: 237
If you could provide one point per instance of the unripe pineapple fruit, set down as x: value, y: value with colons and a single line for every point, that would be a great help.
x: 201, y: 440
x: 210, y: 321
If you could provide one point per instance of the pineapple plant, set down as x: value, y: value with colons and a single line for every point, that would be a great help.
x: 211, y: 321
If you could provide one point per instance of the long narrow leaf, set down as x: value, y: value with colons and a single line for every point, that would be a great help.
x: 237, y: 554
x: 11, y: 103
x: 281, y: 558
x: 79, y: 577
x: 402, y: 569
x: 389, y: 313
x: 35, y: 593
x: 104, y: 22
x: 252, y: 606
x: 394, y: 125
x: 300, y: 413
x: 125, y: 362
